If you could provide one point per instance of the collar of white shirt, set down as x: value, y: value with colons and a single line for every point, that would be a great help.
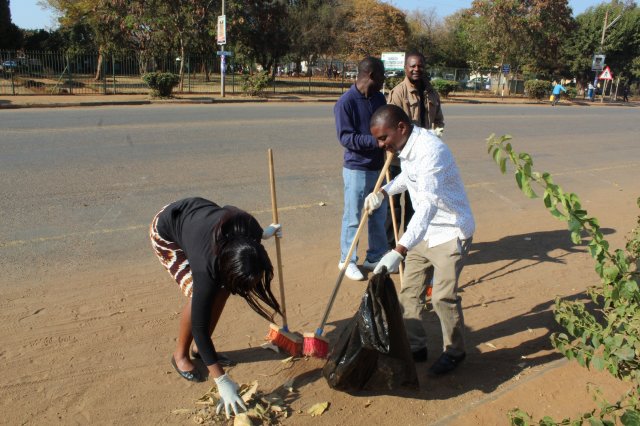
x: 410, y: 142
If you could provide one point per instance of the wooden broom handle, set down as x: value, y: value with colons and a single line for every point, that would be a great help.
x: 394, y: 221
x: 347, y: 259
x: 274, y: 209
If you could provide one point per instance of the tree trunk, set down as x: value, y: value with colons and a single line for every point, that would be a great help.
x: 181, y: 65
x: 205, y: 68
x: 99, y: 67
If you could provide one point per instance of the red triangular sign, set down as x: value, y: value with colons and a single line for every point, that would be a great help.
x: 606, y: 74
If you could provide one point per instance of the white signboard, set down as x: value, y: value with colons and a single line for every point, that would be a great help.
x: 393, y: 60
x: 598, y: 63
x: 222, y: 30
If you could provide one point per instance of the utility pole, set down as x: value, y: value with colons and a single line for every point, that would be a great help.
x: 605, y: 27
x: 223, y: 64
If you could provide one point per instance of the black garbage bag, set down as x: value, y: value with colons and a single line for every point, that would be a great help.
x: 373, y: 351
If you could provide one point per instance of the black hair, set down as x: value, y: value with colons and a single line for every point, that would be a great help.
x: 242, y: 263
x: 413, y: 54
x: 389, y: 115
x: 369, y: 65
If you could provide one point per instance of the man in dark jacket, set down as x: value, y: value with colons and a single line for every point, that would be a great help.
x: 363, y: 161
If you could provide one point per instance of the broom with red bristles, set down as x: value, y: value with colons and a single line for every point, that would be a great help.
x: 281, y: 336
x: 314, y: 344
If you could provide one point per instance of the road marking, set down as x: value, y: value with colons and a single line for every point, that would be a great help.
x: 507, y: 200
x: 105, y: 231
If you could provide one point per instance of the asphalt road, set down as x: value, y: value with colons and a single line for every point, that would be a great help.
x: 80, y: 185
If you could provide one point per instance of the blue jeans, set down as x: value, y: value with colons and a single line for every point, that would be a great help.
x: 357, y: 185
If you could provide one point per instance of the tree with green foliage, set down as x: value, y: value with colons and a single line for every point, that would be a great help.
x: 203, y: 24
x: 526, y: 34
x: 91, y: 25
x: 314, y: 28
x: 10, y: 34
x: 423, y: 26
x: 372, y: 27
x: 43, y: 40
x: 258, y: 29
x: 621, y: 43
x: 455, y: 42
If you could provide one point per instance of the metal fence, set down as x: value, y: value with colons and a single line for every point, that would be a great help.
x: 59, y: 73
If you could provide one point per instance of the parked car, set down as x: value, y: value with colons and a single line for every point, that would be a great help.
x: 351, y: 74
x: 478, y: 83
x: 394, y: 73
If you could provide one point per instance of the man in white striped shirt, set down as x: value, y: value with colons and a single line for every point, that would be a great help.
x: 439, y: 233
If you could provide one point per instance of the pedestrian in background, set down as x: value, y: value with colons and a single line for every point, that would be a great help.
x: 420, y: 101
x: 625, y: 93
x: 558, y: 88
x: 362, y: 163
x: 439, y: 233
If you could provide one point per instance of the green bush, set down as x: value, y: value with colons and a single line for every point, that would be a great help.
x: 607, y: 335
x: 444, y: 87
x: 254, y: 85
x: 391, y: 82
x: 161, y: 83
x: 537, y: 89
x: 572, y: 92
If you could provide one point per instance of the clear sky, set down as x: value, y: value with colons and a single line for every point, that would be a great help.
x: 27, y: 14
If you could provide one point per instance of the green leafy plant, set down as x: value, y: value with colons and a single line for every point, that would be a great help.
x: 610, y: 340
x: 254, y: 85
x: 537, y: 89
x: 572, y: 92
x: 391, y: 82
x: 444, y: 87
x: 161, y: 83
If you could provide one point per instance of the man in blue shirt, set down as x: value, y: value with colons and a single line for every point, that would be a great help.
x: 363, y: 161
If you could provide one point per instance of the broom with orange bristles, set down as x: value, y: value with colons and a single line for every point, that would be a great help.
x: 314, y: 344
x: 281, y: 336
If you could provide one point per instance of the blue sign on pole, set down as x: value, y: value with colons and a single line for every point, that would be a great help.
x: 506, y: 68
x: 224, y: 53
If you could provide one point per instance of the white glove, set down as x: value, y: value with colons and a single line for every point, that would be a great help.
x: 438, y: 131
x: 271, y: 230
x: 228, y: 390
x: 373, y: 201
x: 391, y: 260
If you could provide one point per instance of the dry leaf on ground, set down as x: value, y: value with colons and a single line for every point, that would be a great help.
x: 318, y: 409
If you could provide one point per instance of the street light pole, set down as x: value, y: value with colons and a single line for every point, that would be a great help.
x: 222, y: 58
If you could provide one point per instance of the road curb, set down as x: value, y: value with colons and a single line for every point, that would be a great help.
x: 285, y: 99
x: 73, y: 104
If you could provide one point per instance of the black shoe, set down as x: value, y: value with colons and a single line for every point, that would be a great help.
x: 420, y: 355
x: 445, y: 364
x: 192, y: 376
